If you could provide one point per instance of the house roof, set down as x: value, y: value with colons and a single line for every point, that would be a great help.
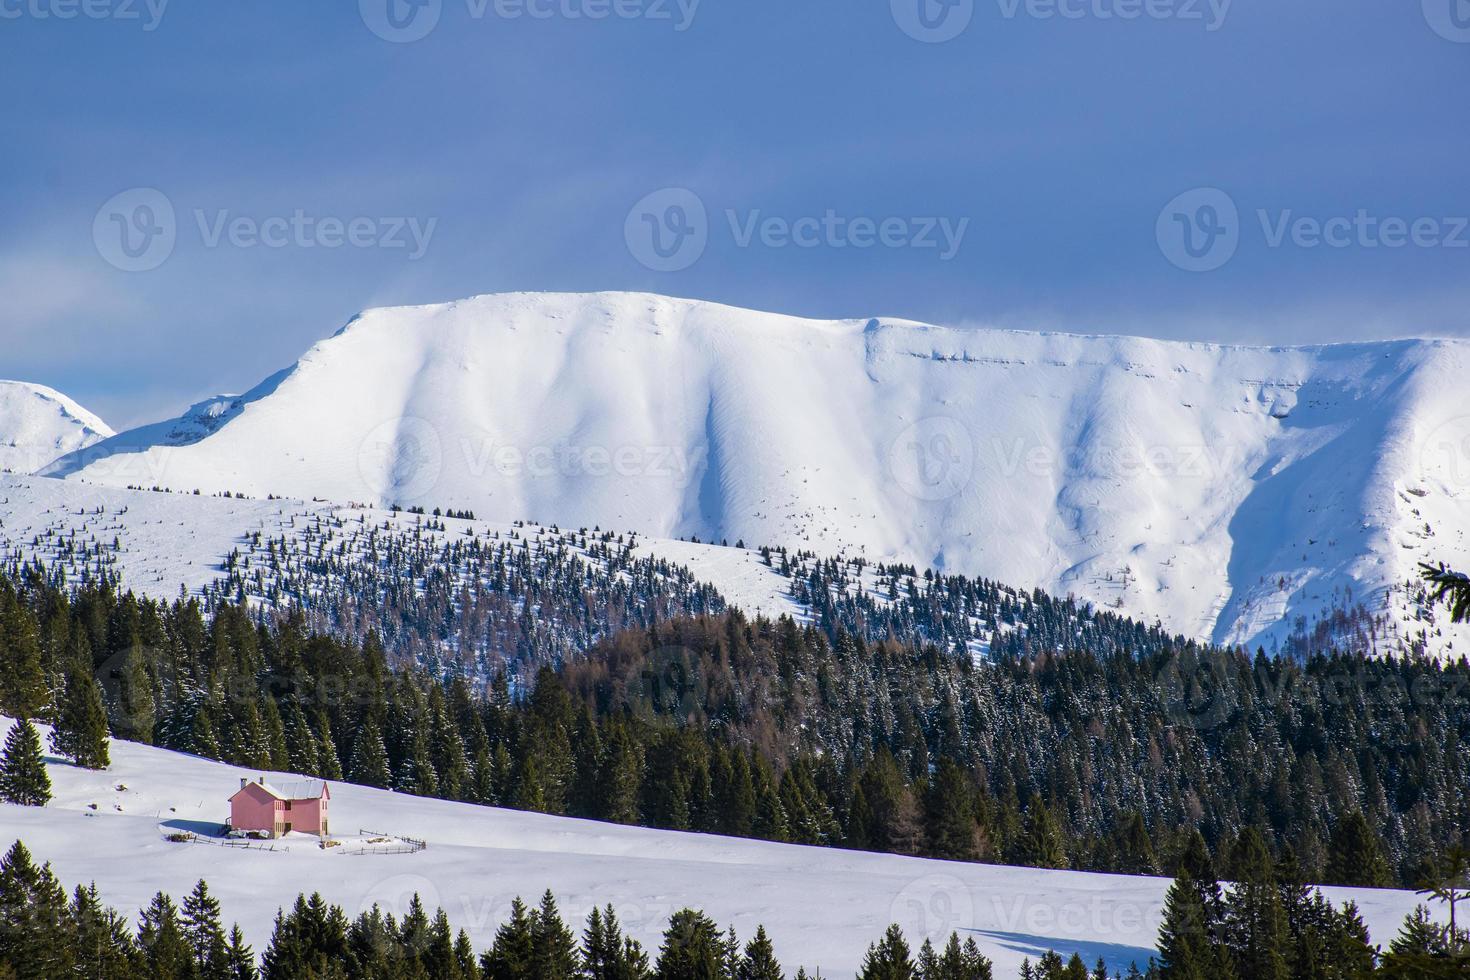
x: 294, y: 789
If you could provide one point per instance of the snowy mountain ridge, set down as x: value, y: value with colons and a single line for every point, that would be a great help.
x: 1226, y: 491
x: 39, y: 424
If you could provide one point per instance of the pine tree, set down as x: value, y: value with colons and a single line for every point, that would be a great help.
x: 553, y: 949
x: 273, y: 733
x: 889, y: 959
x: 1354, y: 856
x: 301, y: 742
x: 513, y: 954
x: 1135, y: 850
x: 1423, y: 950
x: 22, y: 682
x: 23, y: 777
x: 1041, y: 845
x: 1190, y: 936
x: 165, y: 950
x: 370, y: 756
x: 693, y: 949
x: 134, y: 714
x: 80, y: 733
x: 205, y: 935
x: 1255, y: 921
x: 240, y: 958
x: 949, y: 812
x: 330, y: 765
x: 37, y: 935
x: 104, y: 946
x: 759, y: 960
x: 606, y: 954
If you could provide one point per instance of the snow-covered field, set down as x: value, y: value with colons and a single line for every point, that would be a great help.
x: 821, y: 906
x: 1224, y: 490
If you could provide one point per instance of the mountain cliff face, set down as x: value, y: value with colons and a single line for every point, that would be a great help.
x: 37, y: 425
x: 1225, y: 490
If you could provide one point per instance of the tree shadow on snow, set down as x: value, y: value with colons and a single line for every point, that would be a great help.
x: 1118, y: 956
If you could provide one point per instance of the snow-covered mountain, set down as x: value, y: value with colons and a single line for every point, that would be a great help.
x: 1225, y: 490
x: 38, y: 424
x: 822, y: 906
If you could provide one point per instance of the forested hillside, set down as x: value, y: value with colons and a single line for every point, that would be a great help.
x: 1083, y: 759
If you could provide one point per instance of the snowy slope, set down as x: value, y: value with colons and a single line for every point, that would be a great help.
x: 1224, y: 490
x: 38, y: 424
x: 160, y: 543
x: 822, y: 907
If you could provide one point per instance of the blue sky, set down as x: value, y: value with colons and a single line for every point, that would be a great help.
x: 1314, y: 152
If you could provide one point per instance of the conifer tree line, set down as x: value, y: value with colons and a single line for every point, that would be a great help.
x: 44, y: 935
x: 771, y: 730
x: 1267, y: 924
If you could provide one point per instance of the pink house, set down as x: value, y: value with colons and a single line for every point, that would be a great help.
x: 280, y: 808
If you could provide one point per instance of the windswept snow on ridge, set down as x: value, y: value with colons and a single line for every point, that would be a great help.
x: 37, y: 425
x: 1224, y: 490
x: 822, y: 907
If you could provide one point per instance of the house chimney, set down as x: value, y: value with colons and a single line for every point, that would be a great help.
x: 243, y: 782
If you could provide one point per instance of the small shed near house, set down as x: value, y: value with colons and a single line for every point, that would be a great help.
x: 282, y: 807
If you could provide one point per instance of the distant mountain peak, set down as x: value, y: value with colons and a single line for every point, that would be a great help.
x: 39, y: 424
